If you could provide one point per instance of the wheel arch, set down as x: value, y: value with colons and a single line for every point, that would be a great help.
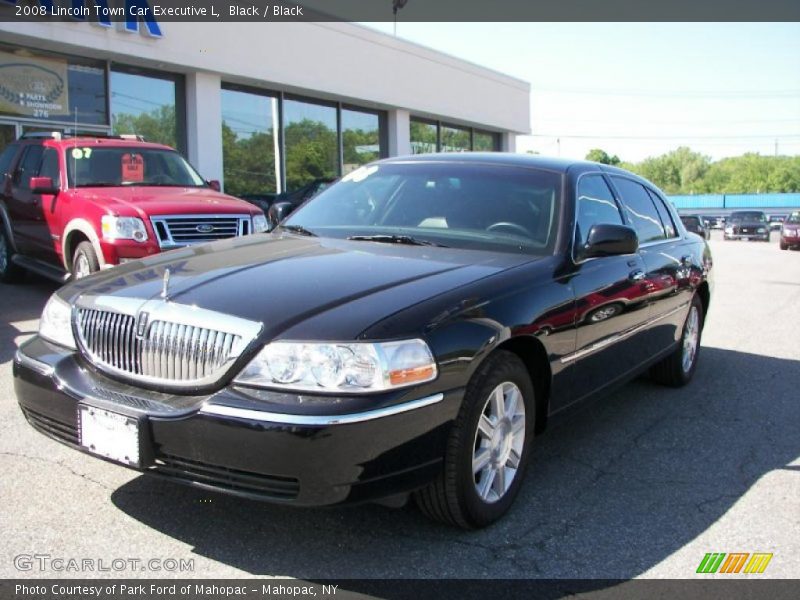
x: 76, y: 231
x: 704, y: 293
x: 533, y: 354
x: 6, y: 224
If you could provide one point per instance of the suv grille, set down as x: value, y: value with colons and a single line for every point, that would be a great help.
x: 181, y: 230
x: 166, y: 352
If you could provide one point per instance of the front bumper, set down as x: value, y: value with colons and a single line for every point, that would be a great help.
x: 793, y: 240
x: 233, y: 441
x: 763, y: 237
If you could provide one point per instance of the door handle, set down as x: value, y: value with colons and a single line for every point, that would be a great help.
x: 637, y: 275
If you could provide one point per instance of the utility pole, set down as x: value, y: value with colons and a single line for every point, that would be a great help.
x: 776, y: 146
x: 558, y: 142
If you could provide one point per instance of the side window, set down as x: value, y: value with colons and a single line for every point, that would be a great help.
x: 663, y: 212
x: 641, y: 211
x: 49, y: 166
x: 595, y: 205
x: 6, y: 157
x: 28, y: 166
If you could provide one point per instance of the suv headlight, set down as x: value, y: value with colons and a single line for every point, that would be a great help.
x: 762, y: 230
x: 123, y: 228
x: 353, y: 367
x: 56, y: 323
x: 260, y: 224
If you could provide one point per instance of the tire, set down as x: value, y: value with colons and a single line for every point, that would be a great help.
x: 784, y: 246
x: 84, y: 261
x: 677, y: 369
x: 454, y: 498
x: 9, y: 272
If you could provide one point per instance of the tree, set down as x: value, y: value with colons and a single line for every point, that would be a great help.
x: 157, y: 125
x: 601, y: 156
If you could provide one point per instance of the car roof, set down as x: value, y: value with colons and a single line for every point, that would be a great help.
x: 497, y: 158
x: 71, y: 142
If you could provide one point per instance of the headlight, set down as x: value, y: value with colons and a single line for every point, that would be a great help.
x: 762, y: 230
x: 729, y: 230
x: 123, y: 228
x: 260, y: 223
x: 356, y: 367
x: 56, y: 323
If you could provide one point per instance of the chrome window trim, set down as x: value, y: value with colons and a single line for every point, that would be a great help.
x: 620, y: 208
x: 651, y: 192
x: 220, y: 410
x: 160, y: 310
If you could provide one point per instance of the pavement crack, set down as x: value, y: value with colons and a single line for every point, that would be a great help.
x: 60, y: 464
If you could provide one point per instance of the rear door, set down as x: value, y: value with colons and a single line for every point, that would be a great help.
x: 24, y: 207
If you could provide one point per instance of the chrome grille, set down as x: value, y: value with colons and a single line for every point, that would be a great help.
x: 195, y: 229
x: 166, y: 351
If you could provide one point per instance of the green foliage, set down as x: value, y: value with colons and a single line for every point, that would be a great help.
x: 601, y: 156
x: 156, y: 126
x: 683, y: 171
x: 248, y: 162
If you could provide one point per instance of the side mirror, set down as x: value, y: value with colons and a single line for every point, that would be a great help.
x: 215, y: 185
x: 278, y: 212
x: 605, y: 239
x: 43, y: 185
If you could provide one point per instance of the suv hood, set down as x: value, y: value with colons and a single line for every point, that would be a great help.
x: 144, y: 201
x: 299, y: 287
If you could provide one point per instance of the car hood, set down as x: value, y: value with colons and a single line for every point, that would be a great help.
x: 299, y: 287
x: 748, y: 223
x: 143, y: 201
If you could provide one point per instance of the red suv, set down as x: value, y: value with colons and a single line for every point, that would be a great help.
x: 73, y: 206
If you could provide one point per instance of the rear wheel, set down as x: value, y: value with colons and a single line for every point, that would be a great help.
x: 9, y: 272
x: 84, y: 262
x: 678, y: 368
x: 488, y: 447
x: 784, y: 246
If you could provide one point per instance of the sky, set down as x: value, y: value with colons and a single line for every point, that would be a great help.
x: 640, y: 89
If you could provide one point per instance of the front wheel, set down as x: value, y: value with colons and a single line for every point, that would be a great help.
x: 488, y: 447
x: 85, y: 261
x: 678, y: 368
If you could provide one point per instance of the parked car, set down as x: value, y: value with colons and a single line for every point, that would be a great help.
x: 71, y: 206
x: 695, y: 225
x: 747, y: 225
x: 716, y: 222
x: 775, y: 222
x: 414, y: 340
x: 287, y: 202
x: 790, y: 231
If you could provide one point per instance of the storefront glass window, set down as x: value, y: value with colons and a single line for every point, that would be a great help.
x: 455, y: 139
x: 360, y: 138
x: 53, y: 88
x: 311, y: 142
x: 423, y: 137
x: 249, y: 159
x: 483, y: 141
x: 145, y: 106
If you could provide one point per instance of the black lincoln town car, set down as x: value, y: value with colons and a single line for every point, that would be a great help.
x: 406, y: 332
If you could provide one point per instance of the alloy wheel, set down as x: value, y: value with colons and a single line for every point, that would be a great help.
x: 691, y: 337
x: 499, y: 441
x: 82, y: 268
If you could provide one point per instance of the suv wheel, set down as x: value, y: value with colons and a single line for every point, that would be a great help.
x: 9, y: 272
x: 84, y: 262
x: 488, y: 447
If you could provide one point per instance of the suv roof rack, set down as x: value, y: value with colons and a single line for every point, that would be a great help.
x: 57, y: 135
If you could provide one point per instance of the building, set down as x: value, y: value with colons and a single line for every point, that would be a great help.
x: 263, y: 107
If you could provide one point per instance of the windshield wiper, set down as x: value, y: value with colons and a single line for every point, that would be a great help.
x: 299, y: 229
x: 98, y: 184
x: 395, y: 239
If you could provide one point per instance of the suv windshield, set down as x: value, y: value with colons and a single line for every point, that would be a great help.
x: 97, y: 166
x: 749, y: 216
x: 793, y: 218
x: 470, y: 206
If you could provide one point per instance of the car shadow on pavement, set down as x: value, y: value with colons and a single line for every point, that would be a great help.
x: 610, y: 493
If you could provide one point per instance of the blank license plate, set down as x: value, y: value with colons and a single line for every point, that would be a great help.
x: 109, y: 434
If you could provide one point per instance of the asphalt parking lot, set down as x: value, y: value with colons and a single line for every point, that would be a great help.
x: 642, y: 484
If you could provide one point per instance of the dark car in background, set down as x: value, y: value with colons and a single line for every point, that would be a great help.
x: 790, y: 231
x: 288, y: 201
x: 696, y: 225
x: 747, y: 225
x: 414, y: 338
x: 776, y: 221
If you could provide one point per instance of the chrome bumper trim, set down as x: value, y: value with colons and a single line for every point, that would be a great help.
x: 36, y: 365
x: 319, y: 420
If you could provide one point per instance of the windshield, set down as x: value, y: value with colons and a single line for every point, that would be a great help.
x: 749, y: 216
x: 691, y: 221
x: 458, y: 205
x: 793, y: 218
x: 97, y: 166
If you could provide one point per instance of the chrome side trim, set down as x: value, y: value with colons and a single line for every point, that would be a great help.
x: 287, y: 419
x: 620, y: 336
x: 36, y: 365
